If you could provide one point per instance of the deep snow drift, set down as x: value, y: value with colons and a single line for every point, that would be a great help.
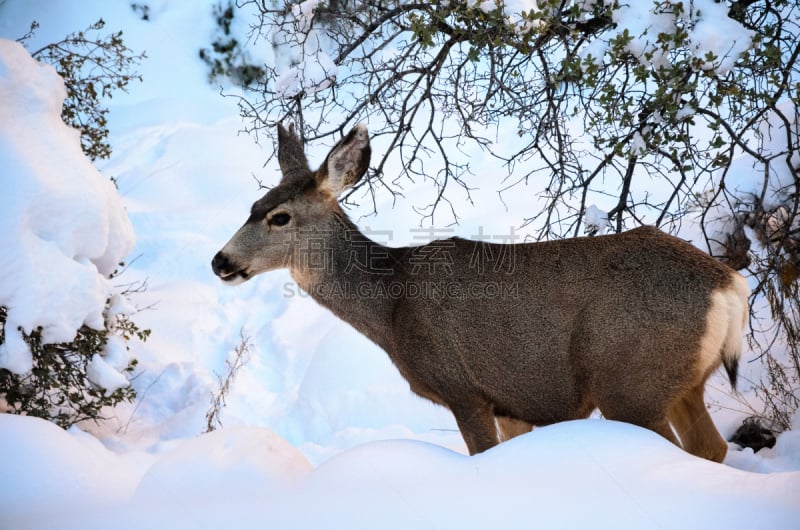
x: 584, y: 474
x: 300, y: 444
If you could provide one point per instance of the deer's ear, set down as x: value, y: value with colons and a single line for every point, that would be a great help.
x: 347, y: 162
x: 291, y: 158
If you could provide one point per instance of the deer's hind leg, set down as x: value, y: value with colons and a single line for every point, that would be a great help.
x: 639, y: 412
x: 508, y: 427
x: 691, y: 420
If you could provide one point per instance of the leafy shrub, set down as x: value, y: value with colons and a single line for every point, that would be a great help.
x: 58, y: 387
x: 93, y: 68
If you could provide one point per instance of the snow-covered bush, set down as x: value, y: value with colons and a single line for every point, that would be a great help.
x: 70, y: 381
x: 64, y: 325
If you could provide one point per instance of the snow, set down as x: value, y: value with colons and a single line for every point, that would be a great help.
x: 314, y: 70
x: 104, y: 375
x: 106, y: 370
x: 716, y: 35
x: 319, y: 429
x: 596, y: 220
x: 44, y: 463
x: 516, y: 12
x: 304, y: 13
x: 638, y: 144
x: 621, y: 476
x: 715, y: 39
x: 240, y: 460
x: 317, y: 72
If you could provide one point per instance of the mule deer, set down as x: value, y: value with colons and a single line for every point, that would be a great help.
x: 632, y: 323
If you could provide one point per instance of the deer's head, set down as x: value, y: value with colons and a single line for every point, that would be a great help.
x: 301, y: 205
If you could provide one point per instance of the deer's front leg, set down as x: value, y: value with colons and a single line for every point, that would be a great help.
x: 477, y: 426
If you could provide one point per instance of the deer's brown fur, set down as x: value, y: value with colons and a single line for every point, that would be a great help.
x: 632, y: 323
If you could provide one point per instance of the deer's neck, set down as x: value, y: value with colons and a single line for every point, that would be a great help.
x: 346, y: 272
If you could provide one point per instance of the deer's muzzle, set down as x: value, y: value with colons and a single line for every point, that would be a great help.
x: 228, y: 271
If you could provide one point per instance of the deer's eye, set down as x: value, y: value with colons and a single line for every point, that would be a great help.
x: 279, y: 219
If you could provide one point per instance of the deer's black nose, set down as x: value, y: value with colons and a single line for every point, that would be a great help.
x: 221, y: 265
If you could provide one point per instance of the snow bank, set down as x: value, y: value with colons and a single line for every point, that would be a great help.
x: 619, y: 475
x: 235, y: 461
x: 45, y: 470
x: 63, y: 228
